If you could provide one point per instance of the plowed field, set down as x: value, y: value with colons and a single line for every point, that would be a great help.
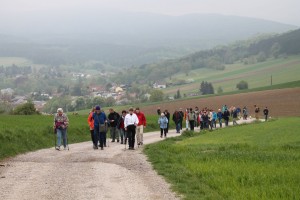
x: 281, y: 102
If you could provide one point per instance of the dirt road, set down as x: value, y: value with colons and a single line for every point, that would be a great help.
x: 84, y: 173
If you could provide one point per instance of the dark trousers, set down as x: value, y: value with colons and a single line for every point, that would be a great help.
x: 180, y: 125
x: 226, y: 122
x: 192, y: 124
x: 99, y: 137
x: 163, y: 131
x: 266, y: 117
x: 114, y: 133
x: 92, y: 136
x: 131, y: 135
x: 167, y: 129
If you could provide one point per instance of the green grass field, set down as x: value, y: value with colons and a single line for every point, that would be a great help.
x: 257, y: 75
x: 258, y: 161
x: 20, y: 134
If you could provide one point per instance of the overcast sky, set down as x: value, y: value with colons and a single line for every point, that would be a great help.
x: 286, y: 11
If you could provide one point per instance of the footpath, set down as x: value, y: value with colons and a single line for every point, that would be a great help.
x: 84, y: 173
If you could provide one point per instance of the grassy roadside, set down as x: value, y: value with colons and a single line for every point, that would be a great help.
x: 20, y: 134
x: 258, y: 161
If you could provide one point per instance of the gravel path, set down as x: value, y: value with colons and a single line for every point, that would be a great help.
x: 84, y: 173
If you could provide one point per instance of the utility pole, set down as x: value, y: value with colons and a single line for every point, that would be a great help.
x: 271, y: 80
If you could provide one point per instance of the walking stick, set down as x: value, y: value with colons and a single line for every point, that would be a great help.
x: 106, y: 128
x: 54, y: 130
x: 67, y: 141
x: 125, y: 139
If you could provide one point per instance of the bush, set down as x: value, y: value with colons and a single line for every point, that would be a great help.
x: 242, y: 85
x: 25, y: 109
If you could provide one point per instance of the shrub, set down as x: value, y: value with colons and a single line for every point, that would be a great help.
x: 25, y: 109
x: 242, y: 85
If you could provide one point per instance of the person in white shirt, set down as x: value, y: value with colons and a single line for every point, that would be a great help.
x: 130, y: 123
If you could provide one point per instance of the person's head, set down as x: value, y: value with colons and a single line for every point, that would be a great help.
x: 219, y: 110
x: 97, y: 109
x: 162, y: 114
x: 130, y: 111
x: 111, y: 110
x: 137, y: 110
x: 166, y: 111
x: 60, y: 111
x: 93, y: 109
x: 191, y: 109
x: 124, y: 113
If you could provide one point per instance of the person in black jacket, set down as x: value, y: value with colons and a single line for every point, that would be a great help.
x: 266, y: 113
x: 205, y: 120
x: 167, y: 114
x: 226, y: 115
x: 114, y: 120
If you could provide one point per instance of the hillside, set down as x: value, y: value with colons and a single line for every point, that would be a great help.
x: 252, y: 51
x: 125, y: 39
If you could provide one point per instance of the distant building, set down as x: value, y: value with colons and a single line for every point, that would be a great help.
x: 118, y: 89
x: 158, y: 85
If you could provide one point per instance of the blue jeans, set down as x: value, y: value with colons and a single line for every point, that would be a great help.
x: 61, y: 133
x: 122, y: 135
x: 220, y: 122
x: 178, y: 128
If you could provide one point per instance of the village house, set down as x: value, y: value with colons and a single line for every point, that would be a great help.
x: 159, y: 85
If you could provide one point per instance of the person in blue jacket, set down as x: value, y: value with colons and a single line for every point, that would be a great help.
x: 220, y: 117
x: 163, y: 124
x: 100, y: 127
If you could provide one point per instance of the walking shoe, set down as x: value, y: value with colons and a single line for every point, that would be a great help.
x: 118, y: 140
x: 121, y: 142
x: 113, y: 141
x: 101, y: 148
x: 161, y: 136
x: 57, y: 148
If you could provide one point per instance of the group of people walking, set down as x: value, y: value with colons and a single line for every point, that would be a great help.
x: 127, y: 126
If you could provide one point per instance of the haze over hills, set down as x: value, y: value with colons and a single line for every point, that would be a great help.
x: 123, y: 39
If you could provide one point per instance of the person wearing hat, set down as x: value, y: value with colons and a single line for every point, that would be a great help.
x: 61, y: 123
x: 130, y: 123
x: 99, y: 127
x: 163, y: 124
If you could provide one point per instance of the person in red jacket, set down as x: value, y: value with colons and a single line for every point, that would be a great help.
x: 91, y: 125
x: 140, y: 127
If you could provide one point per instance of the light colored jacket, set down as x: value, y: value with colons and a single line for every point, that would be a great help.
x: 163, y: 122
